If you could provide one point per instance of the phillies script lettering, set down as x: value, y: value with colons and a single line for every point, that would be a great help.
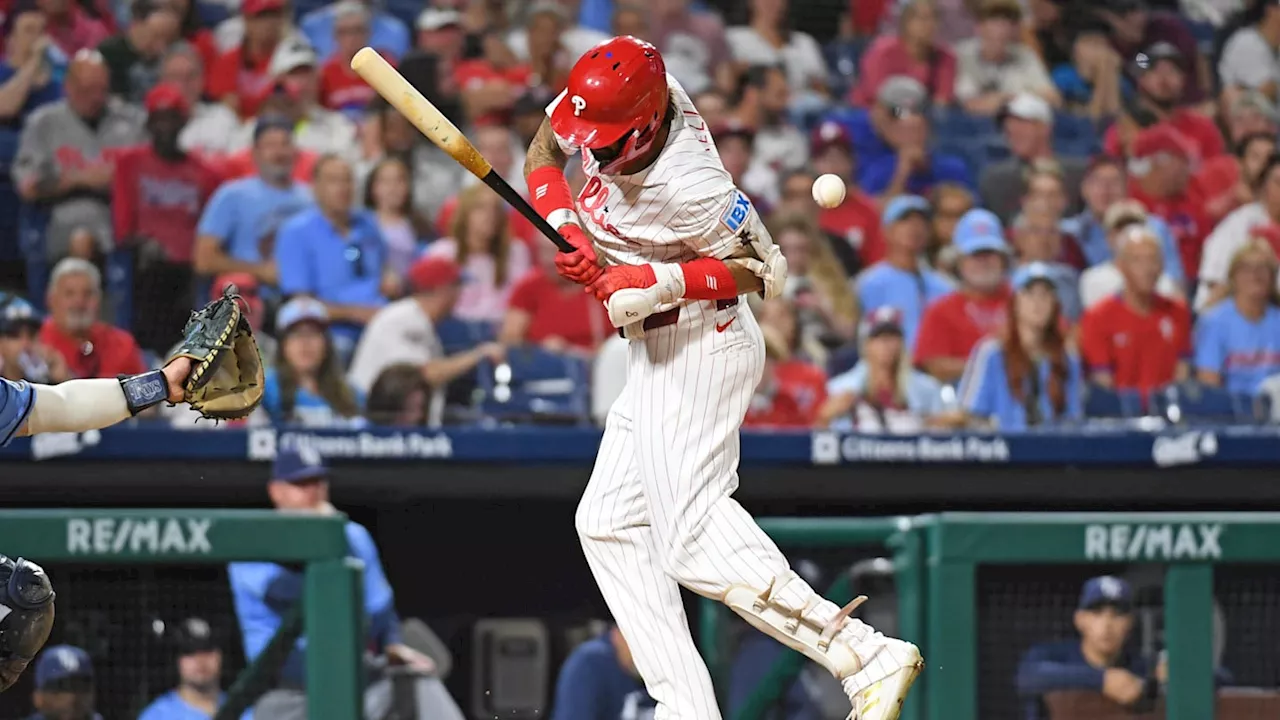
x: 1153, y: 542
x: 593, y: 197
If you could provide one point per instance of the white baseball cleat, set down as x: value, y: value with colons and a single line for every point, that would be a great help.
x: 882, y: 699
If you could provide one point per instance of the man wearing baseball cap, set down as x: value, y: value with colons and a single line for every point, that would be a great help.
x: 955, y: 322
x: 64, y: 685
x: 22, y: 355
x: 387, y: 33
x: 159, y: 191
x: 264, y: 592
x: 901, y: 279
x: 405, y: 332
x: 1163, y: 181
x: 1160, y: 76
x: 1097, y: 661
x: 894, y: 152
x: 199, y: 660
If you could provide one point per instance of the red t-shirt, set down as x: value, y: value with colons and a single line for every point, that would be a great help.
x: 341, y: 88
x: 109, y: 351
x: 955, y: 322
x: 1141, y: 351
x: 1187, y: 220
x: 1216, y: 181
x: 799, y: 391
x: 471, y: 74
x: 161, y: 200
x: 558, y: 311
x: 857, y: 221
x: 1198, y: 129
x: 235, y: 73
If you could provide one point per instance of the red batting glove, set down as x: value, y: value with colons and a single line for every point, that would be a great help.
x: 581, y: 266
x: 621, y: 277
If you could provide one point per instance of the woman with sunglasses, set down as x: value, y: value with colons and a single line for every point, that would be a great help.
x: 306, y: 387
x: 1029, y: 377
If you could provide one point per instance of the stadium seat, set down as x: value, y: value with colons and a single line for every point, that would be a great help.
x: 1075, y: 135
x: 842, y: 359
x: 1104, y: 403
x: 535, y: 385
x: 843, y: 59
x: 457, y: 335
x: 1194, y: 403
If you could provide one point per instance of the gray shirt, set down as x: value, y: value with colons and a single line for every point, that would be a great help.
x: 1248, y: 60
x: 1022, y: 71
x: 54, y: 140
x: 1002, y: 184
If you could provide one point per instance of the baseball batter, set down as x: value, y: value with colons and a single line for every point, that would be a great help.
x: 667, y: 241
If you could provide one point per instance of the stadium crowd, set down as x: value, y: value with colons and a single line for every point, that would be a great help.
x: 1058, y: 209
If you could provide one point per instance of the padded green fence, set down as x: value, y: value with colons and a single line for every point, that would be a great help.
x: 333, y: 611
x: 939, y: 560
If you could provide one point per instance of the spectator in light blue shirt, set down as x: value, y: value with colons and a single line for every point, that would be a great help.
x: 1031, y: 377
x: 1104, y: 184
x: 388, y: 33
x: 198, y: 695
x: 306, y: 386
x: 902, y: 280
x: 335, y: 255
x: 238, y: 226
x: 264, y: 592
x: 599, y: 681
x: 1238, y: 341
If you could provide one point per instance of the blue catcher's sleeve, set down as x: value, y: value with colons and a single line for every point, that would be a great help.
x: 379, y: 598
x: 16, y: 401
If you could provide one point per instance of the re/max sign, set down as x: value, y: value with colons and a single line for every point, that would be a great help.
x: 154, y: 536
x: 1131, y: 541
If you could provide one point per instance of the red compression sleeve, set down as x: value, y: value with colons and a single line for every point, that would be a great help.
x: 708, y: 279
x: 551, y: 196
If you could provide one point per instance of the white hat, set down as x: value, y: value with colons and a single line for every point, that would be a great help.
x: 1026, y: 106
x: 291, y: 55
x: 436, y: 18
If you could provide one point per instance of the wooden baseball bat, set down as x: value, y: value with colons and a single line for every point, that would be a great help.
x: 393, y: 87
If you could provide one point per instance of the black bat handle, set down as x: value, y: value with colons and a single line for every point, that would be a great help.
x: 508, y: 193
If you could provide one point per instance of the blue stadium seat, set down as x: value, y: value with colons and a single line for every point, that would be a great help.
x: 1192, y: 403
x: 536, y: 384
x: 457, y: 335
x: 1104, y: 403
x: 1075, y: 135
x: 842, y: 359
x: 406, y: 10
x: 211, y: 13
x: 843, y: 59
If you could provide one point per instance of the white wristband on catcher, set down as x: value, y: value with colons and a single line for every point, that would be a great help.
x: 633, y: 305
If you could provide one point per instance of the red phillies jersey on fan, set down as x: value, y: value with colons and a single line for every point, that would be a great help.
x: 1140, y: 351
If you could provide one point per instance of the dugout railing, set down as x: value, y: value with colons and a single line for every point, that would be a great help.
x: 332, y: 607
x: 974, y: 588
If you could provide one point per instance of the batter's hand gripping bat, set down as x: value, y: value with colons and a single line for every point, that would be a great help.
x: 395, y: 89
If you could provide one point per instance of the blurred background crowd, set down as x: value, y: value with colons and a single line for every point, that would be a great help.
x: 1059, y: 210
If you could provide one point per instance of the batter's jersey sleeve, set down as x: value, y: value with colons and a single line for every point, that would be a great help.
x: 16, y: 401
x: 715, y: 224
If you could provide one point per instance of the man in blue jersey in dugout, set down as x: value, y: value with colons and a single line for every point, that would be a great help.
x: 599, y: 681
x: 264, y: 592
x: 199, y: 692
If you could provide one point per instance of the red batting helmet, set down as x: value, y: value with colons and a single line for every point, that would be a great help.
x: 617, y: 87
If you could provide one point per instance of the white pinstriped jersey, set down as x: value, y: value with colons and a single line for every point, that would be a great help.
x: 681, y: 207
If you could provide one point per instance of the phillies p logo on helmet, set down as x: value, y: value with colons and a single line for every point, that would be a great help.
x: 579, y: 104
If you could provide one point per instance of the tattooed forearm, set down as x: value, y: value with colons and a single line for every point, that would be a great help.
x: 544, y: 151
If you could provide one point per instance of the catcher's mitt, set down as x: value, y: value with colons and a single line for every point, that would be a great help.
x: 226, y: 380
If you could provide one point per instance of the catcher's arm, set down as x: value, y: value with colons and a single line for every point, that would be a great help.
x: 82, y: 405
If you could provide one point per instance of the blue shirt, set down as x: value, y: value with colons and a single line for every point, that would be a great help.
x: 309, y: 409
x: 171, y: 706
x: 923, y: 393
x: 883, y: 284
x: 37, y: 96
x: 263, y: 592
x: 16, y: 401
x: 874, y: 177
x: 387, y: 33
x: 756, y: 656
x: 1076, y: 90
x: 594, y: 686
x: 1061, y: 666
x: 1244, y: 352
x: 985, y: 392
x: 313, y: 258
x: 1091, y: 237
x: 868, y: 147
x: 244, y: 211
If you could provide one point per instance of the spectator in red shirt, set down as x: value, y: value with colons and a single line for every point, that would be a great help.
x: 856, y: 219
x: 1160, y: 81
x: 547, y: 310
x: 1161, y: 166
x: 340, y: 87
x: 914, y: 52
x: 955, y: 322
x: 91, y: 348
x: 70, y: 27
x: 1137, y: 339
x: 491, y: 83
x: 791, y: 390
x: 1230, y: 181
x: 239, y: 77
x: 194, y: 31
x: 158, y: 193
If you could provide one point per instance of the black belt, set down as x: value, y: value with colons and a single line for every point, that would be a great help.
x: 669, y: 317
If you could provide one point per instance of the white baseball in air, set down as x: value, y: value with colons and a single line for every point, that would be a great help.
x: 828, y: 190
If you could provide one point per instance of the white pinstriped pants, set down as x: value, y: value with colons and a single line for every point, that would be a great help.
x: 657, y: 512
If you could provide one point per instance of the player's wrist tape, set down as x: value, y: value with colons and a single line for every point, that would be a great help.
x: 708, y: 279
x: 551, y: 197
x: 143, y: 391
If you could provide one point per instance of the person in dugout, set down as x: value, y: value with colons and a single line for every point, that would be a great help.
x: 264, y: 592
x: 199, y: 693
x: 599, y: 681
x: 64, y: 685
